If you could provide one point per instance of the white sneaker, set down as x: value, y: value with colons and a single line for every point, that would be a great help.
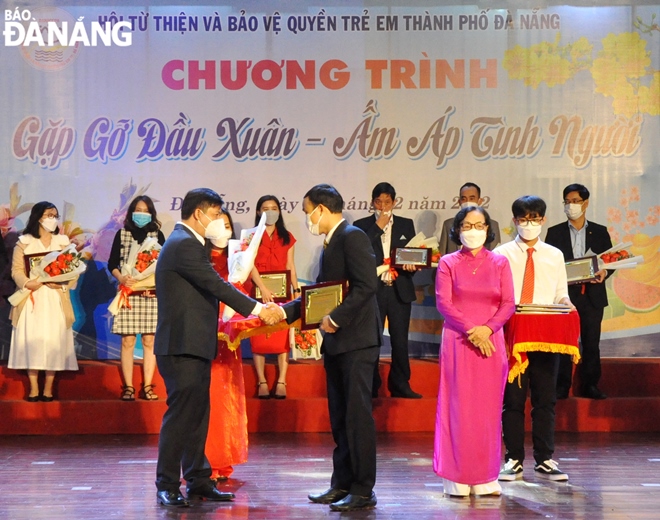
x: 549, y: 470
x: 512, y: 470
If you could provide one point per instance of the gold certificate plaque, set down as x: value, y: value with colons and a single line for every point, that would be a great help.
x: 417, y: 256
x: 319, y: 300
x: 582, y: 270
x: 31, y: 261
x: 277, y: 282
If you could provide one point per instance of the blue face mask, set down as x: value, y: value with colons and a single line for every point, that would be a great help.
x: 141, y: 219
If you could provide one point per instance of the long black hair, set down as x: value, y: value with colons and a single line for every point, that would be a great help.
x: 129, y: 225
x: 231, y: 223
x: 38, y: 210
x: 279, y: 225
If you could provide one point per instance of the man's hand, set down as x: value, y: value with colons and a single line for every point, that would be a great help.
x: 410, y: 267
x: 600, y: 276
x: 384, y: 219
x: 271, y: 314
x: 327, y: 326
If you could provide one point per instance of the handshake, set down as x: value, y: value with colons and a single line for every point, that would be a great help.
x: 271, y: 313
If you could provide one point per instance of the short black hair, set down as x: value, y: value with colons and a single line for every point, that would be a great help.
x: 471, y: 185
x: 38, y: 210
x: 528, y: 205
x: 326, y: 195
x: 582, y: 191
x: 455, y: 231
x: 201, y: 198
x: 154, y: 225
x: 383, y: 187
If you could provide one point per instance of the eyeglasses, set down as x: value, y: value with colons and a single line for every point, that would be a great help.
x: 532, y: 221
x: 467, y: 226
x: 574, y: 201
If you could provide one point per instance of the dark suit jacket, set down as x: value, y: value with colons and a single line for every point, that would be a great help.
x: 349, y: 256
x: 598, y: 240
x: 403, y: 229
x: 188, y: 290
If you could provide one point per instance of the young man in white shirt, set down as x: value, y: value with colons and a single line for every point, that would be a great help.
x: 549, y: 286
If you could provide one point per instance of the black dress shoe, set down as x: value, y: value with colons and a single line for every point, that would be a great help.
x: 562, y: 393
x: 209, y: 493
x: 329, y: 496
x: 406, y: 394
x: 592, y: 392
x: 354, y: 502
x: 171, y: 499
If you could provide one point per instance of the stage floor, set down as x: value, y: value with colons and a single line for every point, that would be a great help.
x: 612, y: 476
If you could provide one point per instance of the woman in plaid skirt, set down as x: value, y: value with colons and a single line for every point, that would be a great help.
x: 139, y: 316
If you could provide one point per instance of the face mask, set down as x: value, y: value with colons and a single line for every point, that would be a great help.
x: 529, y: 232
x: 141, y: 219
x: 50, y: 224
x: 469, y: 204
x: 313, y: 228
x: 271, y: 216
x: 215, y: 227
x: 380, y: 212
x: 573, y: 211
x: 473, y: 238
x: 222, y: 239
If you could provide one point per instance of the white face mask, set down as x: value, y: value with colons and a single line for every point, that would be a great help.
x: 50, y: 224
x: 215, y: 229
x: 313, y: 228
x: 469, y: 204
x: 271, y: 216
x: 380, y: 212
x: 573, y: 211
x: 528, y: 231
x: 224, y: 234
x: 473, y: 238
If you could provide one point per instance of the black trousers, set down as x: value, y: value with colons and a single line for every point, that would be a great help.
x: 185, y: 423
x: 589, y: 367
x: 541, y: 379
x: 349, y: 377
x: 398, y: 316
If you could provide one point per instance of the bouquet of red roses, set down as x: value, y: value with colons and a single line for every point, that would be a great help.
x: 54, y: 267
x: 141, y: 266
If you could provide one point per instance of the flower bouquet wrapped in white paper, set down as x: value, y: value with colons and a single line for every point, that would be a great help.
x: 56, y: 266
x: 141, y: 266
x: 241, y: 256
x: 618, y: 257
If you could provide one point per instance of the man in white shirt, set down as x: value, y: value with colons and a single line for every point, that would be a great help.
x: 544, y: 264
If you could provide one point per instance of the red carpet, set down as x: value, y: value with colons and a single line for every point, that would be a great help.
x: 88, y: 402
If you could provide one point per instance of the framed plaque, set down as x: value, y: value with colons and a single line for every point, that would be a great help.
x: 319, y: 300
x: 277, y: 282
x: 581, y: 270
x: 417, y: 256
x: 32, y: 260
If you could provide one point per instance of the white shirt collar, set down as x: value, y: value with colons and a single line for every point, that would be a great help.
x: 199, y: 237
x: 331, y: 232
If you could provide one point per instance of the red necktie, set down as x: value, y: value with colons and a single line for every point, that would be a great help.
x: 527, y: 295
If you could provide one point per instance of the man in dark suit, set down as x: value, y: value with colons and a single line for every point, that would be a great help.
x: 468, y: 195
x: 350, y: 349
x: 396, y: 290
x: 576, y: 238
x: 188, y: 290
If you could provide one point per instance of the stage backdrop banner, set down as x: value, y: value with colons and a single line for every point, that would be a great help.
x: 104, y: 102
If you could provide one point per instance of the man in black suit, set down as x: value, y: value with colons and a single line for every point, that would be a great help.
x: 188, y: 290
x: 468, y: 195
x: 576, y: 238
x: 396, y: 290
x: 350, y: 349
